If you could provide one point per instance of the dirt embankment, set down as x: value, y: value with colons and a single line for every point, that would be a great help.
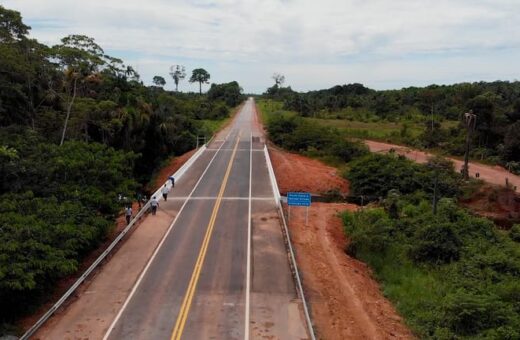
x: 298, y: 173
x: 345, y: 301
x: 171, y: 166
x: 499, y: 204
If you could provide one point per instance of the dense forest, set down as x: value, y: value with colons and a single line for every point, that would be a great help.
x: 497, y: 106
x: 78, y: 130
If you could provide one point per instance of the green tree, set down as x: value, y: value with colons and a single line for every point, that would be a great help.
x: 511, y: 151
x: 279, y: 79
x: 178, y: 73
x: 25, y: 71
x: 159, y: 81
x: 230, y: 93
x: 199, y: 75
x: 79, y: 57
x: 483, y: 106
x: 11, y: 26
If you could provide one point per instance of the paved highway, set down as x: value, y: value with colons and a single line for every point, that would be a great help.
x: 222, y: 271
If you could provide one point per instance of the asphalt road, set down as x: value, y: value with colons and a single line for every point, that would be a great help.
x: 222, y: 271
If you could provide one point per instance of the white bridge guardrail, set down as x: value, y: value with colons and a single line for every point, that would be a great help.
x: 182, y: 170
x: 289, y: 244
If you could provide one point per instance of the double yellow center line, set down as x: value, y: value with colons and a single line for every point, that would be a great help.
x: 190, y: 292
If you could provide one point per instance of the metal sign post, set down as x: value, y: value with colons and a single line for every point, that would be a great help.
x: 299, y: 199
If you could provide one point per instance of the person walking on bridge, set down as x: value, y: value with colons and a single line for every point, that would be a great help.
x: 128, y: 214
x: 165, y: 190
x: 154, y: 204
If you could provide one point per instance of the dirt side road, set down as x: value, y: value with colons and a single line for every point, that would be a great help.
x: 491, y: 174
x: 345, y: 301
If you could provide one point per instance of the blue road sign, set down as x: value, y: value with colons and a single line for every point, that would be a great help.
x: 300, y: 199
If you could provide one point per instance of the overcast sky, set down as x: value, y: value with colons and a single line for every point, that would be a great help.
x: 314, y: 43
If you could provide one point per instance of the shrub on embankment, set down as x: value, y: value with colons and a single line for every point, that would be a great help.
x: 451, y: 275
x: 374, y: 175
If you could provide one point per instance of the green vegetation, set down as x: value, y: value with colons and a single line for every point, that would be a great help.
x: 79, y: 135
x: 296, y: 134
x: 201, y: 76
x: 450, y: 274
x: 429, y: 117
x: 374, y: 175
x: 270, y: 109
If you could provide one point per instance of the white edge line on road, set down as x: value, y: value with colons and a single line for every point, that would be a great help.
x: 149, y: 263
x: 248, y: 266
x: 229, y: 198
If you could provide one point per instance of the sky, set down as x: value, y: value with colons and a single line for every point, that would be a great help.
x: 316, y: 44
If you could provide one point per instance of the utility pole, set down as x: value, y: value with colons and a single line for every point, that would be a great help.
x: 434, y: 204
x: 470, y: 121
x: 432, y: 110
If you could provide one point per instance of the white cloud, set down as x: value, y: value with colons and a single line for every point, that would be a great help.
x: 249, y: 40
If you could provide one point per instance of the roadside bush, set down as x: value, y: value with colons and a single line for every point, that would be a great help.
x: 468, y: 314
x: 374, y: 175
x: 451, y: 275
x: 435, y: 244
x: 375, y: 234
x: 514, y: 233
x: 348, y: 151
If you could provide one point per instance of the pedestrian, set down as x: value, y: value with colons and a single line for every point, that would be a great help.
x: 165, y: 192
x: 172, y: 180
x: 154, y: 204
x: 139, y: 199
x: 128, y: 214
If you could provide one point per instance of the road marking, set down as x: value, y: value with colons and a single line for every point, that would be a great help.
x: 210, y: 198
x: 192, y: 286
x: 154, y: 254
x: 238, y: 150
x: 248, y: 266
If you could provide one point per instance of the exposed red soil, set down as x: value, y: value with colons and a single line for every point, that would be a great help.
x: 298, y: 173
x: 500, y: 204
x: 65, y: 283
x: 345, y: 301
x: 173, y: 165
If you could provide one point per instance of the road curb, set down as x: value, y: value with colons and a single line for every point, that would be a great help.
x: 285, y: 231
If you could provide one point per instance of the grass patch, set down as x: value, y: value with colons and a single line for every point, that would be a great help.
x: 213, y: 126
x: 377, y: 130
x: 272, y: 108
